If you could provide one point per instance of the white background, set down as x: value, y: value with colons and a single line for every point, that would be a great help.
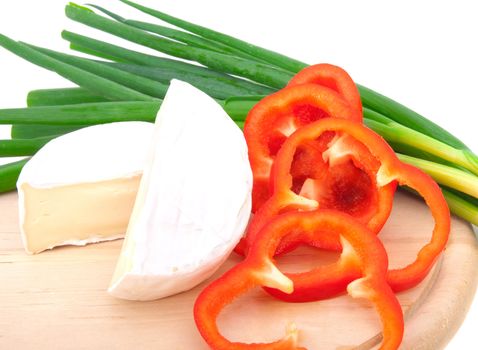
x: 421, y: 53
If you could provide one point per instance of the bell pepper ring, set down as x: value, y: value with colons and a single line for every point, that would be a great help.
x: 347, y: 181
x: 334, y: 78
x: 340, y: 81
x: 309, y: 286
x: 277, y: 116
x: 309, y: 171
x: 361, y: 248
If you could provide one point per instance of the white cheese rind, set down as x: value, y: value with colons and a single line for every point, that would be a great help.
x: 143, y: 287
x: 92, y: 154
x: 80, y: 188
x: 194, y: 200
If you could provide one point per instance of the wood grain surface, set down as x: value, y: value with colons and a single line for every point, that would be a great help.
x: 58, y: 300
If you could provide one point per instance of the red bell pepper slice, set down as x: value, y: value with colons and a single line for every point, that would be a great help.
x: 337, y: 79
x: 347, y: 181
x: 347, y: 186
x: 310, y: 285
x: 363, y: 249
x: 277, y: 116
x: 273, y: 129
x: 334, y: 78
x: 312, y: 177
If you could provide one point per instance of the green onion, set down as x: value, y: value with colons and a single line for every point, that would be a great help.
x: 274, y: 58
x: 427, y: 146
x: 103, y: 55
x: 91, y: 113
x: 18, y: 148
x: 138, y: 83
x: 9, y: 174
x: 32, y: 131
x: 445, y: 175
x: 400, y: 136
x: 258, y: 72
x: 393, y: 132
x: 166, y: 74
x: 92, y: 82
x: 396, y: 133
x: 178, y: 35
x: 370, y: 98
x: 63, y: 96
x: 217, y: 88
x: 104, y: 48
x: 52, y: 97
x: 405, y: 116
x: 212, y: 77
x: 239, y: 106
x: 410, y: 150
x: 155, y: 81
x: 462, y: 205
x: 83, y: 114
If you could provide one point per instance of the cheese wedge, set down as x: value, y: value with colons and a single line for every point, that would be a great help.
x: 194, y: 200
x: 80, y: 188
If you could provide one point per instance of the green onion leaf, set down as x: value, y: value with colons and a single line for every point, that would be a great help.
x: 258, y: 72
x: 92, y: 82
x: 18, y: 148
x: 63, y: 96
x: 138, y: 83
x: 178, y: 35
x: 445, y: 175
x: 257, y: 52
x: 83, y: 114
x: 9, y: 175
x: 201, y: 76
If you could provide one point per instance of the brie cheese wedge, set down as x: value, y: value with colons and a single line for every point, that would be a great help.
x: 194, y: 200
x: 80, y: 187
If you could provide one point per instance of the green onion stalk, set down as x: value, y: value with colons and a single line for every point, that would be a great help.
x: 94, y: 83
x: 370, y: 98
x: 23, y: 147
x: 9, y: 175
x: 261, y: 73
x: 63, y: 119
x: 130, y: 86
x: 180, y: 36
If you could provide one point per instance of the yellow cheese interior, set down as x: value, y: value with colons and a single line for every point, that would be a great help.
x: 81, y: 212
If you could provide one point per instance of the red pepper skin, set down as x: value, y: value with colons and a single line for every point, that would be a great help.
x: 264, y: 132
x: 363, y: 249
x: 334, y: 78
x: 277, y: 116
x: 273, y: 129
x: 409, y: 276
x: 371, y: 206
x: 358, y: 155
x: 310, y: 286
x: 223, y: 291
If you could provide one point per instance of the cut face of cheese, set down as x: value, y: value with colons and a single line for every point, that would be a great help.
x: 194, y: 200
x: 80, y: 188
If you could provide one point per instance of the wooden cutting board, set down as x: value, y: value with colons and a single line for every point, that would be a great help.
x: 57, y: 299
